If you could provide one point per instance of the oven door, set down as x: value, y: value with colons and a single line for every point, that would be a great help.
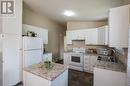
x: 76, y: 60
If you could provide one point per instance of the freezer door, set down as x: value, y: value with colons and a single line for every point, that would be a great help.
x: 31, y: 43
x: 32, y: 57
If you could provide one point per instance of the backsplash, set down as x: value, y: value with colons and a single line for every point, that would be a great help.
x: 122, y: 55
x: 81, y: 44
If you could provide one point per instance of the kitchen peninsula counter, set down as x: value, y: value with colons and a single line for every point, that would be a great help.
x: 38, y: 75
x: 111, y: 66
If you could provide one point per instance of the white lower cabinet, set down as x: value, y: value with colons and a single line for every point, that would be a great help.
x: 89, y: 62
x: 86, y: 63
x: 104, y: 77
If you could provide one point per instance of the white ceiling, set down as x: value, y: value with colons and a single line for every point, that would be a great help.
x: 86, y: 10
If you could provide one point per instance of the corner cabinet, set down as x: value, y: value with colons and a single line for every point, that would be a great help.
x: 119, y: 26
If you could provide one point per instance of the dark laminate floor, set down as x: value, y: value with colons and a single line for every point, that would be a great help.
x: 77, y: 78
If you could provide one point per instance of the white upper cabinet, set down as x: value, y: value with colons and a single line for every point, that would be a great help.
x: 77, y: 34
x: 91, y: 36
x: 103, y: 35
x: 118, y: 26
x: 68, y: 37
x: 42, y: 33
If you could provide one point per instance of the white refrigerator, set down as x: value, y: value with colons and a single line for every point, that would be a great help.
x: 32, y: 50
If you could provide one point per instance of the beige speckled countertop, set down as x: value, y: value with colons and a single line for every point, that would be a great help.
x: 86, y: 53
x: 42, y: 72
x: 111, y: 66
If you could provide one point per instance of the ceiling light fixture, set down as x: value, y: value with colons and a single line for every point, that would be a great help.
x: 69, y: 13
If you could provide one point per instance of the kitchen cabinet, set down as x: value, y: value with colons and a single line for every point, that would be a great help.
x: 47, y: 57
x: 86, y: 63
x: 104, y: 77
x: 68, y: 37
x: 78, y: 35
x: 103, y: 35
x: 41, y: 32
x: 75, y: 35
x: 91, y: 36
x: 118, y: 26
x: 89, y: 62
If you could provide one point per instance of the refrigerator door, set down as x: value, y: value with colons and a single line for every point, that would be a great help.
x: 32, y: 57
x: 32, y: 43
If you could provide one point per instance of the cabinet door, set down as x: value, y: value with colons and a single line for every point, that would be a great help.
x: 88, y: 37
x: 68, y: 37
x: 106, y: 35
x: 94, y: 36
x: 101, y: 36
x: 11, y: 59
x: 91, y: 36
x: 87, y: 63
x: 93, y: 60
x: 79, y: 34
x: 119, y: 24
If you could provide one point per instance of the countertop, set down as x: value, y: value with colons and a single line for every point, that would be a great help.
x: 50, y: 75
x: 86, y: 53
x: 111, y: 66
